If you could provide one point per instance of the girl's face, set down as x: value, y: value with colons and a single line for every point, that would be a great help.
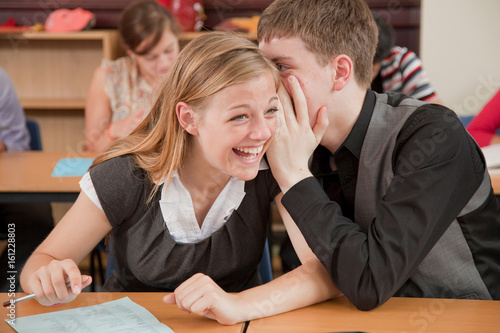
x: 234, y: 130
x: 156, y: 63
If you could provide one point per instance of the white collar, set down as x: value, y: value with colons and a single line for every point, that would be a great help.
x: 178, y: 211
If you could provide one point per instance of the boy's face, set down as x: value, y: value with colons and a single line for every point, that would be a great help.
x: 293, y: 58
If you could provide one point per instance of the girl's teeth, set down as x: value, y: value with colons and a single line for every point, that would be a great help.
x: 250, y: 150
x: 249, y: 157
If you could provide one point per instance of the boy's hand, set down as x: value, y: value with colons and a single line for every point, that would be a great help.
x: 293, y: 145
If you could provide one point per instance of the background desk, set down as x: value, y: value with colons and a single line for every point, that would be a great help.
x: 396, y: 315
x: 169, y: 315
x: 26, y: 177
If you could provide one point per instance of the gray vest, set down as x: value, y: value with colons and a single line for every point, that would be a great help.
x: 448, y: 270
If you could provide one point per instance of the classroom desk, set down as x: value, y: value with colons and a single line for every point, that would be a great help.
x: 26, y: 177
x: 169, y: 315
x: 396, y: 315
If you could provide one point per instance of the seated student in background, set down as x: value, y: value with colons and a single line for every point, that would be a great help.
x: 32, y: 222
x: 402, y: 203
x: 186, y: 197
x: 119, y: 96
x: 486, y: 123
x: 397, y: 69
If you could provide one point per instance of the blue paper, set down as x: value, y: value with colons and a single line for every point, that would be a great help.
x: 72, y: 167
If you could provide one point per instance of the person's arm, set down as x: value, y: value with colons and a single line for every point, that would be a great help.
x: 56, y: 260
x: 97, y: 115
x: 100, y: 132
x: 485, y: 124
x: 303, y: 286
x: 370, y: 266
x: 14, y: 134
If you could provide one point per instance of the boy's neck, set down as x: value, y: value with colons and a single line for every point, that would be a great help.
x: 343, y: 113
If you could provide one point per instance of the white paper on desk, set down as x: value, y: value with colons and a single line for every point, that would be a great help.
x: 122, y: 315
x: 492, y: 156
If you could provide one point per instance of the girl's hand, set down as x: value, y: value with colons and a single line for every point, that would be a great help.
x: 49, y: 283
x: 201, y: 295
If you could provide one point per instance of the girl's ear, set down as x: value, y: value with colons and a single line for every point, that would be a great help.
x: 186, y: 117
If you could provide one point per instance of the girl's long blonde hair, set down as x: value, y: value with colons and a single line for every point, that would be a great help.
x: 205, y: 66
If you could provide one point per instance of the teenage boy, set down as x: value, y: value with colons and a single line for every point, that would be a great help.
x: 404, y: 204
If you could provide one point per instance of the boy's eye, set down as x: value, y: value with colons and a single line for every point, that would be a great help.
x: 281, y: 67
x: 272, y: 110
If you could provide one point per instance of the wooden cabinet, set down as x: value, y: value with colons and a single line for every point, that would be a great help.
x: 52, y: 73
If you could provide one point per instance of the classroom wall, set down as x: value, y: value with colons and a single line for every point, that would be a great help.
x: 460, y: 48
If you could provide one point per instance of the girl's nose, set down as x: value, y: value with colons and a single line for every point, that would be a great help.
x: 261, y: 129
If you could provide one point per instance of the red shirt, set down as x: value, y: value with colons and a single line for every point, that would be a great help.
x: 487, y: 122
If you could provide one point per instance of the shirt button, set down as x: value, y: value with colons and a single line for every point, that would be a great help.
x: 347, y: 179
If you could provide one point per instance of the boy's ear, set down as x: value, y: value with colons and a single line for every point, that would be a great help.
x: 342, y: 71
x: 186, y: 117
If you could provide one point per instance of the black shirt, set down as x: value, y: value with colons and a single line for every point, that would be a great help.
x: 438, y: 182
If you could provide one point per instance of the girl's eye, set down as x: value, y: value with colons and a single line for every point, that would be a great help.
x: 240, y: 117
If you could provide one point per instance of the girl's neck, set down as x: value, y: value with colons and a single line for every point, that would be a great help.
x: 199, y: 178
x: 203, y: 183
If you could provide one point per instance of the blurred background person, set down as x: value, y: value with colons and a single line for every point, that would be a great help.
x: 486, y: 123
x: 397, y: 69
x: 119, y: 96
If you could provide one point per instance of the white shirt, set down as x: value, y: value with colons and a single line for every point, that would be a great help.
x: 178, y: 211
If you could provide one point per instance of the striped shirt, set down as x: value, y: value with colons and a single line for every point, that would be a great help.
x: 402, y: 72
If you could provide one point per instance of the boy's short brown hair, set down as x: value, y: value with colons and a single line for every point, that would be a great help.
x: 328, y: 28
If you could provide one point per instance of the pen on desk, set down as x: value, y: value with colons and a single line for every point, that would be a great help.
x: 28, y: 297
x: 17, y: 300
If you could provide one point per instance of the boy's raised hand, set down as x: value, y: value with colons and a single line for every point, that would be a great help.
x: 293, y: 145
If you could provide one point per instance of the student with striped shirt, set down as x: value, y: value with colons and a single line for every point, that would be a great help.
x: 397, y: 69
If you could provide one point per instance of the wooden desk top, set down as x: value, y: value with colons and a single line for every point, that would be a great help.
x: 31, y: 172
x: 169, y: 315
x: 396, y: 315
